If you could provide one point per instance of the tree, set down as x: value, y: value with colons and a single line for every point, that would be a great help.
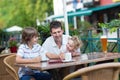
x: 24, y: 12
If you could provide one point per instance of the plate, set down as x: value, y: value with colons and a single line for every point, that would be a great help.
x: 67, y: 60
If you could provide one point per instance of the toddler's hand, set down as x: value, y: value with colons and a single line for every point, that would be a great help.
x: 75, y: 54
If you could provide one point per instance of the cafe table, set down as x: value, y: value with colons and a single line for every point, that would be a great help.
x: 77, y: 60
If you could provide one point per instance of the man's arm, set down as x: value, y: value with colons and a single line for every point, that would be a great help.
x: 52, y: 56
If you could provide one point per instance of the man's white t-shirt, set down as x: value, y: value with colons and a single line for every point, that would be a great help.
x: 50, y: 46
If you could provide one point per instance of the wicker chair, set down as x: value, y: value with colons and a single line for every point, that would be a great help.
x: 4, y: 75
x: 106, y: 71
x: 10, y: 66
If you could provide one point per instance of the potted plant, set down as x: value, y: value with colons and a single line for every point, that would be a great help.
x: 110, y: 29
x: 112, y: 26
x: 13, y: 45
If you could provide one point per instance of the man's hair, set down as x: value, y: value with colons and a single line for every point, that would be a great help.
x: 55, y: 24
x: 28, y: 33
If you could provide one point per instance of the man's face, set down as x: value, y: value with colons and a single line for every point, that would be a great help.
x: 57, y: 34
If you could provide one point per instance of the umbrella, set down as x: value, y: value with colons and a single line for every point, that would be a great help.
x: 14, y: 28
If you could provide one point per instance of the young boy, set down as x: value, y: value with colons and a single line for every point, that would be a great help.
x: 29, y: 52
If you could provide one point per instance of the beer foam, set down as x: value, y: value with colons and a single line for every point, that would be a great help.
x: 103, y: 36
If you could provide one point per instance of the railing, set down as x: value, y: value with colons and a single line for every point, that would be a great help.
x: 92, y: 43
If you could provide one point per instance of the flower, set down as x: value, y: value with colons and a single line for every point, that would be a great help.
x: 12, y: 42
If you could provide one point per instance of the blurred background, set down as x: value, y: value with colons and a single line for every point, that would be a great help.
x: 85, y: 18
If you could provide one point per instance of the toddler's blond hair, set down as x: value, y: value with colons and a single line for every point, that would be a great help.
x: 77, y: 42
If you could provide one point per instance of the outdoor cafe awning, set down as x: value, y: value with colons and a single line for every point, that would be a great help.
x: 78, y: 13
x: 87, y: 11
x: 13, y: 29
x: 105, y: 7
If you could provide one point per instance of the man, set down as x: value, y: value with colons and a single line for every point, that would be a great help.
x: 56, y: 42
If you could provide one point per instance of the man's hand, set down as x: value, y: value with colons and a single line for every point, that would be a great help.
x: 62, y: 56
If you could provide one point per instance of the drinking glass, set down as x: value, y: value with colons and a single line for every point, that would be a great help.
x: 103, y: 39
x: 68, y: 56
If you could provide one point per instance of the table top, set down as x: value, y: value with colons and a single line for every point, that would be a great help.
x: 92, y: 57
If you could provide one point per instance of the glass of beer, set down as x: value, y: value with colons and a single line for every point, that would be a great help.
x: 104, y: 43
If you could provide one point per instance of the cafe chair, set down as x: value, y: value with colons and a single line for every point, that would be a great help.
x: 9, y: 62
x: 106, y: 71
x: 4, y: 75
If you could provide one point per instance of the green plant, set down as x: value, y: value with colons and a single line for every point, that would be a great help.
x: 12, y: 42
x: 73, y: 31
x: 113, y: 25
x: 44, y: 32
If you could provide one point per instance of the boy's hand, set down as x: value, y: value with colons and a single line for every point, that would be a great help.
x: 37, y: 59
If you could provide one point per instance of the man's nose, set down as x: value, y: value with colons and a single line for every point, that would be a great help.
x: 57, y: 34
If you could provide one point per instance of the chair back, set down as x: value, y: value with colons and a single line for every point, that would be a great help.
x: 4, y: 75
x: 10, y: 66
x: 106, y: 71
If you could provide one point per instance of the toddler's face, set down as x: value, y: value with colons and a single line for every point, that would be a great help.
x: 70, y: 45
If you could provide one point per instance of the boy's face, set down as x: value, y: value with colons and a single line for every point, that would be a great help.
x: 34, y: 40
x: 70, y: 45
x: 57, y: 34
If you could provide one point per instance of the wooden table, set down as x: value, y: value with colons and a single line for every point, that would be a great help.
x: 94, y: 57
